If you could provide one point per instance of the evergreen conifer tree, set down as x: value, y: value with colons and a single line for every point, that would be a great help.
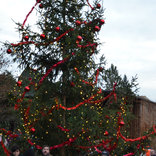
x: 60, y: 102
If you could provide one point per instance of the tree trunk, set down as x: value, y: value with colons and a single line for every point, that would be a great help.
x: 62, y: 151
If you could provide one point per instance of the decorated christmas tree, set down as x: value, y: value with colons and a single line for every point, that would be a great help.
x: 63, y: 97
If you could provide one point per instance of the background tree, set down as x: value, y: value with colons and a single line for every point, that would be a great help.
x: 4, y: 61
x: 7, y: 114
x: 126, y: 91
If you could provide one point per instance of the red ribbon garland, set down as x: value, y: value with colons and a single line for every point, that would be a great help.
x: 105, y: 98
x: 92, y: 84
x: 136, y: 139
x: 9, y: 133
x: 29, y: 14
x: 54, y: 66
x: 98, y: 150
x: 17, y: 106
x: 89, y: 100
x: 55, y: 146
x: 32, y: 42
x: 81, y: 103
x: 23, y: 43
x: 34, y: 7
x: 89, y: 5
x: 5, y: 149
x: 104, y: 143
x: 63, y: 129
x: 88, y: 45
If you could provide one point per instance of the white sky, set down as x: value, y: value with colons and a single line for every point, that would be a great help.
x: 130, y: 40
x: 129, y: 36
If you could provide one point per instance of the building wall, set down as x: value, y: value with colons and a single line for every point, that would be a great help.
x: 145, y: 112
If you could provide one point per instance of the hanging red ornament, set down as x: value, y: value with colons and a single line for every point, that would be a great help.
x: 41, y: 6
x: 97, y: 28
x: 98, y: 6
x: 79, y: 38
x: 57, y: 29
x: 32, y: 130
x: 27, y: 88
x: 30, y: 79
x: 121, y: 123
x: 106, y: 133
x: 19, y: 83
x: 72, y: 84
x: 107, y: 117
x: 26, y: 38
x: 78, y: 23
x: 42, y: 36
x: 85, y: 22
x: 102, y: 21
x: 9, y: 51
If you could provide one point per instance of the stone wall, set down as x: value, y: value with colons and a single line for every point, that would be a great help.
x: 145, y: 113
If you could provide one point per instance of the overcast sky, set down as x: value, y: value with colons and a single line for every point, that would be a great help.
x: 129, y: 36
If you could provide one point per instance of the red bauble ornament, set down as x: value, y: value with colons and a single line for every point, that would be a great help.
x: 106, y: 133
x: 57, y: 29
x: 107, y: 117
x: 72, y: 84
x: 19, y: 83
x: 41, y: 6
x: 79, y: 38
x: 102, y: 21
x: 121, y: 123
x: 85, y: 22
x: 30, y: 79
x: 27, y: 88
x: 71, y: 140
x: 26, y: 38
x: 98, y: 6
x: 42, y: 36
x: 9, y: 51
x: 97, y: 28
x: 78, y: 23
x: 32, y: 130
